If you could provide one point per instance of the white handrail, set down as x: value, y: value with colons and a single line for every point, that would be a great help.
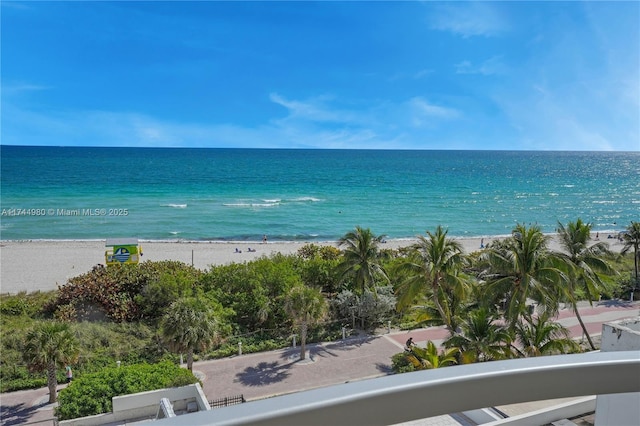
x: 410, y: 396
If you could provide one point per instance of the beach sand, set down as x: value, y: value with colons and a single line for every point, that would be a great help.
x: 44, y: 265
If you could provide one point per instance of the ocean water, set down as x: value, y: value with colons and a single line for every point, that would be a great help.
x: 306, y: 195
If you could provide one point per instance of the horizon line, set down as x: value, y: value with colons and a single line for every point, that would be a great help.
x: 315, y: 148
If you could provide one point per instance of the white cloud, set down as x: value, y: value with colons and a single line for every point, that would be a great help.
x: 320, y: 122
x: 422, y: 74
x: 469, y: 19
x: 315, y: 109
x: 492, y: 66
x: 425, y: 113
x: 21, y: 88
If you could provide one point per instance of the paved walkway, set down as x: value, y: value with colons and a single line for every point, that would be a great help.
x: 279, y: 372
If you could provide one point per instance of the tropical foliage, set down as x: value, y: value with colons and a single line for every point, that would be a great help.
x: 92, y: 393
x: 631, y: 240
x: 585, y: 266
x: 361, y: 259
x: 189, y: 325
x: 482, y: 338
x: 495, y: 303
x: 433, y: 269
x: 522, y: 268
x: 123, y: 292
x: 429, y: 357
x: 306, y: 306
x: 537, y: 336
x: 48, y: 346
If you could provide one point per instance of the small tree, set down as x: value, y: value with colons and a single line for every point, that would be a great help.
x: 306, y: 306
x: 49, y: 345
x: 631, y: 240
x: 374, y: 308
x: 429, y: 357
x: 434, y: 269
x: 481, y: 339
x: 522, y: 268
x: 584, y: 263
x: 189, y: 324
x: 361, y: 258
x: 539, y: 336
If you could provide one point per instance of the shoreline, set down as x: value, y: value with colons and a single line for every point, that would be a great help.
x: 43, y: 265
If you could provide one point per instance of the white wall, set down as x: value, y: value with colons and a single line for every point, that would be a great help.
x: 623, y: 408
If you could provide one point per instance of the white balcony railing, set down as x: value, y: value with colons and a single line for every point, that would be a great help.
x: 405, y: 397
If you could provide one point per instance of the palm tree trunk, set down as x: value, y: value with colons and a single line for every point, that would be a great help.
x: 52, y: 381
x: 440, y: 309
x: 190, y: 359
x: 636, y: 254
x: 584, y: 328
x: 303, y: 340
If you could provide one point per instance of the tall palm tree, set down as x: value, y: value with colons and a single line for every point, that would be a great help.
x: 631, y: 239
x: 187, y: 325
x: 434, y: 268
x: 538, y: 336
x: 47, y: 346
x: 584, y: 264
x: 522, y: 267
x: 481, y: 338
x: 361, y: 258
x: 429, y: 357
x: 306, y: 306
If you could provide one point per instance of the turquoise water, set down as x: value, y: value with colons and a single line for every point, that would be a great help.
x: 306, y: 195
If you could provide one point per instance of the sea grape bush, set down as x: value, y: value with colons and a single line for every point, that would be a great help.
x: 122, y: 293
x: 101, y: 294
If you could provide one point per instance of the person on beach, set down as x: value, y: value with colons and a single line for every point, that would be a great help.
x: 69, y: 374
x: 264, y: 239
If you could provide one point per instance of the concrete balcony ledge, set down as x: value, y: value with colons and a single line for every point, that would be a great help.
x: 405, y: 397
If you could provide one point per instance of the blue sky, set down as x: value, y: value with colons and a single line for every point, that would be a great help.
x: 375, y: 75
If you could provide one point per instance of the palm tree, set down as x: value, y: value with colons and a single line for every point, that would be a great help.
x: 540, y: 336
x: 429, y: 357
x: 481, y: 338
x: 434, y: 268
x: 189, y: 324
x: 306, y: 305
x: 631, y: 239
x: 47, y: 346
x: 522, y: 267
x: 361, y: 258
x: 584, y: 263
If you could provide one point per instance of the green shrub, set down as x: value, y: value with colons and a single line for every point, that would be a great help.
x: 18, y: 377
x: 92, y: 393
x: 24, y: 304
x: 400, y: 363
x: 123, y: 293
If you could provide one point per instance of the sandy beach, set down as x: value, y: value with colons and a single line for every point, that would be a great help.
x: 44, y: 265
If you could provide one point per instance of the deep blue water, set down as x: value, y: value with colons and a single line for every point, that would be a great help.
x: 241, y: 194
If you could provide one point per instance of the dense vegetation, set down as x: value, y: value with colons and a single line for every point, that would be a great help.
x: 157, y: 311
x: 91, y: 394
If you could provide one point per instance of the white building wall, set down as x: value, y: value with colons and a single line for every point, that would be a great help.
x: 624, y: 408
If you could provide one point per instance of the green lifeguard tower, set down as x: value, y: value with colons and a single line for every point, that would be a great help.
x: 122, y: 250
